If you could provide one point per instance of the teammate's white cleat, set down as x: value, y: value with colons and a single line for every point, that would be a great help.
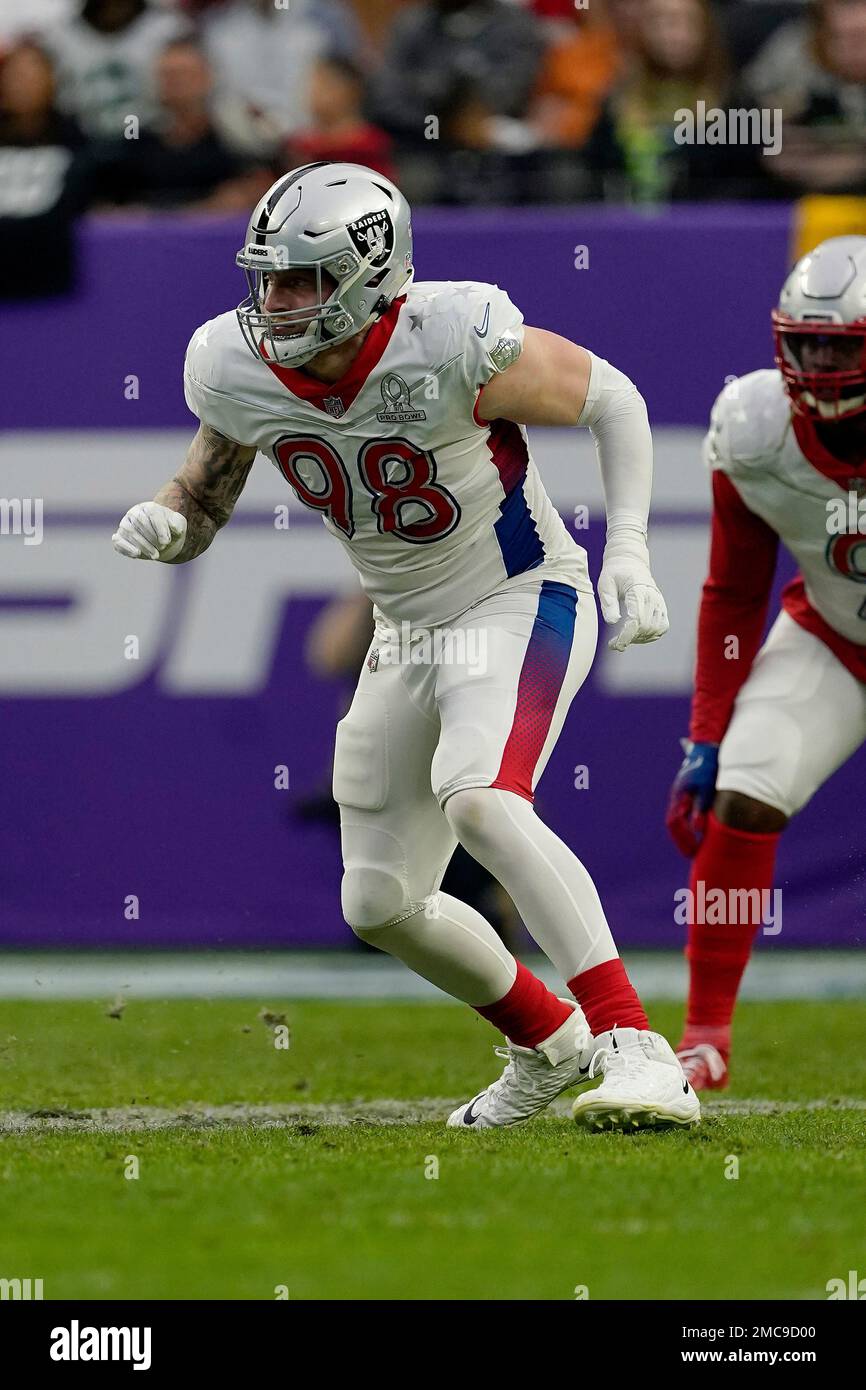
x: 643, y: 1087
x: 533, y: 1077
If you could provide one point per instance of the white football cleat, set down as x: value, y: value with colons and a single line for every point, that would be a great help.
x: 643, y: 1087
x: 533, y: 1077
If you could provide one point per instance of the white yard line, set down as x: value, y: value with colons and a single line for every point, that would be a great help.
x: 378, y: 1113
x: 772, y: 974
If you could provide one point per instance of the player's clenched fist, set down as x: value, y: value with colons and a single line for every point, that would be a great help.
x: 626, y: 588
x: 150, y: 531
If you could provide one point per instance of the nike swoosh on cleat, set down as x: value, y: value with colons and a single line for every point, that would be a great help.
x: 685, y: 1088
x: 485, y: 324
x: 469, y: 1118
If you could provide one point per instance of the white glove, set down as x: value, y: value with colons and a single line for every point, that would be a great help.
x: 626, y: 579
x: 150, y: 531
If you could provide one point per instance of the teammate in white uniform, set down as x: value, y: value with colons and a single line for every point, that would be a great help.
x: 787, y: 450
x: 397, y: 412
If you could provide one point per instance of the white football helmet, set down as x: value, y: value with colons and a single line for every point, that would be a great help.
x: 823, y: 303
x: 344, y: 219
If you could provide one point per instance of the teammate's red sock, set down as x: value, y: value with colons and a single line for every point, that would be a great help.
x: 528, y: 1013
x: 608, y: 998
x: 718, y: 955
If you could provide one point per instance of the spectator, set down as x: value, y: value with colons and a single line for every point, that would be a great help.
x: 264, y: 55
x: 181, y: 158
x: 104, y: 60
x: 747, y: 24
x: 487, y: 47
x: 43, y: 183
x: 626, y: 17
x: 580, y: 66
x: 678, y: 60
x: 814, y: 71
x: 376, y: 19
x: 338, y: 131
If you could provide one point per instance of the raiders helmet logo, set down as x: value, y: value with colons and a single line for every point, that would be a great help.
x: 373, y: 235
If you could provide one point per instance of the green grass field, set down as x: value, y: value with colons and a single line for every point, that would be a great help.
x: 326, y: 1192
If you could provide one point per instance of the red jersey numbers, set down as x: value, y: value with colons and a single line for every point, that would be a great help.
x: 329, y: 489
x: 394, y: 472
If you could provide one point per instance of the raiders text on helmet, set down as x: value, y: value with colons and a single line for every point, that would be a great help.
x: 341, y: 219
x: 823, y: 307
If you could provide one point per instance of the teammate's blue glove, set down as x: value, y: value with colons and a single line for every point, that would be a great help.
x: 692, y: 795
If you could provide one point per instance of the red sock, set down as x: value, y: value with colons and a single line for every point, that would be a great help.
x: 608, y: 998
x: 718, y: 955
x: 528, y: 1013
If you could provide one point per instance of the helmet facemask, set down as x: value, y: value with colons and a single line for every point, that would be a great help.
x: 834, y: 389
x: 291, y: 337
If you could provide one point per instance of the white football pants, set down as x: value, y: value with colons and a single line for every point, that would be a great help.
x: 451, y: 746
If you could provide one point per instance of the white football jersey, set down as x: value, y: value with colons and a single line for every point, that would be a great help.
x: 436, y: 508
x: 752, y: 438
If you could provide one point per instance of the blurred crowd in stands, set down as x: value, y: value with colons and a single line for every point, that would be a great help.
x: 200, y: 104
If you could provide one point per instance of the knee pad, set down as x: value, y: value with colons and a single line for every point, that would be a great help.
x: 372, y: 898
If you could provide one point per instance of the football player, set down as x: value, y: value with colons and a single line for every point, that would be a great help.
x: 396, y: 411
x: 787, y: 453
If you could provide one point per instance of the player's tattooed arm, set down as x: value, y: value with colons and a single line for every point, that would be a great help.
x: 206, y: 488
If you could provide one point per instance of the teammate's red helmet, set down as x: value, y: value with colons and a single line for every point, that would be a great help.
x: 820, y: 331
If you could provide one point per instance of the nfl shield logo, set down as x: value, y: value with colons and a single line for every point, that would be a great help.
x: 373, y: 660
x: 334, y: 406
